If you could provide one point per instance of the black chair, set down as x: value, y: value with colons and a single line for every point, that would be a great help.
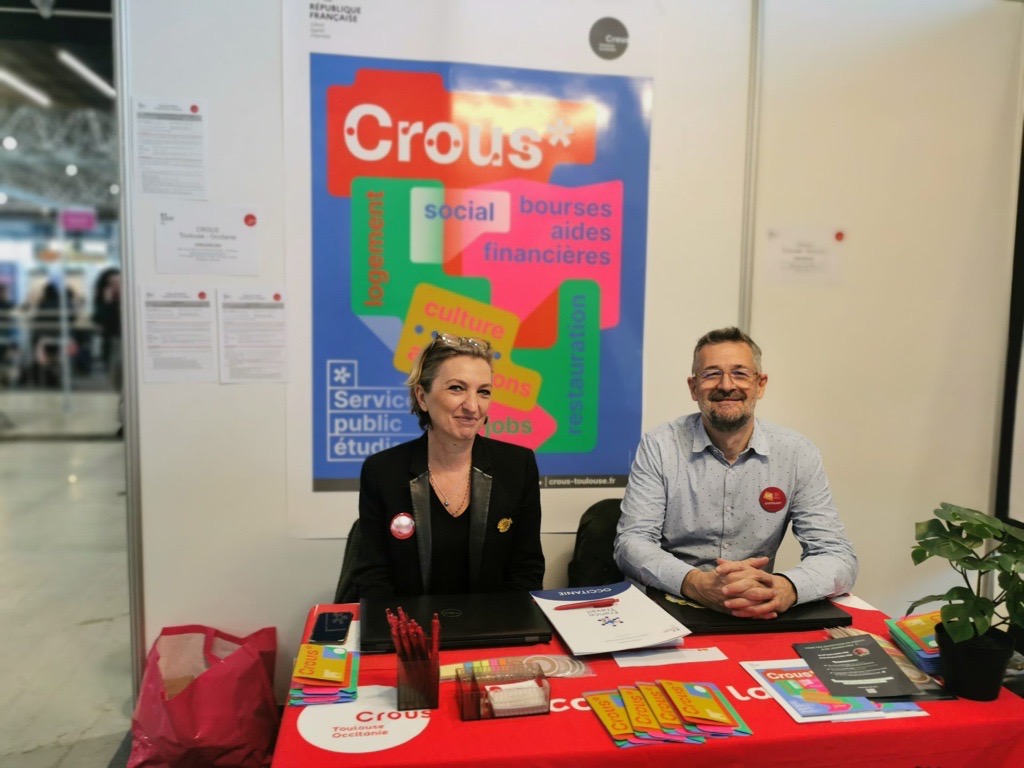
x: 592, y: 564
x: 347, y: 590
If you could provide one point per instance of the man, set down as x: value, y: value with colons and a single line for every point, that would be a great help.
x: 710, y: 496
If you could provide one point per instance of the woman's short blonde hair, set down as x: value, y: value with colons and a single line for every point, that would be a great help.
x: 428, y: 364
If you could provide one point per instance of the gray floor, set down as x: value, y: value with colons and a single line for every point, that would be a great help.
x: 65, y: 679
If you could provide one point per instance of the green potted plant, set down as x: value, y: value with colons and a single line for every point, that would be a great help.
x: 973, y: 648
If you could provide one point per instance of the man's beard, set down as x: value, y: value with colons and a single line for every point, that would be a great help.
x: 726, y: 423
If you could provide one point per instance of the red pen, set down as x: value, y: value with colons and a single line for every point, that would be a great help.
x: 604, y: 603
x: 435, y: 636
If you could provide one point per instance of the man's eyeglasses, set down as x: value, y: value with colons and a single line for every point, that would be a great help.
x: 740, y: 376
x: 448, y: 340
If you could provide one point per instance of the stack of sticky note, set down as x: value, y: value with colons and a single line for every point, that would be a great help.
x: 666, y: 711
x: 915, y: 636
x: 324, y: 674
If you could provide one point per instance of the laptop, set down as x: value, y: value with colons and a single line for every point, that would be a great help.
x: 704, y: 621
x: 483, y: 620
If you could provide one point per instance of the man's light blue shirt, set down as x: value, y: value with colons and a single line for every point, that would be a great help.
x: 685, y: 506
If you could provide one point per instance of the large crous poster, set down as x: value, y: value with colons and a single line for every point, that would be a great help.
x: 497, y: 202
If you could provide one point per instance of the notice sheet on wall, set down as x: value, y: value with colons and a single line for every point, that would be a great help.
x: 170, y: 147
x: 178, y: 341
x: 252, y: 336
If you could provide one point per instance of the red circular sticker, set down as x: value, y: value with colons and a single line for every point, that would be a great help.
x: 250, y: 220
x: 772, y: 499
x: 402, y: 525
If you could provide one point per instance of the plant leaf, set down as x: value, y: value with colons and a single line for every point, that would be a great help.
x: 1015, y: 602
x: 919, y: 555
x: 965, y: 594
x: 975, y: 563
x: 1010, y: 563
x: 928, y: 529
x: 950, y: 549
x: 925, y: 601
x: 959, y: 629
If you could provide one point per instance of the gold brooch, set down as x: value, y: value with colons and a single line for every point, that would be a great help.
x: 504, y: 524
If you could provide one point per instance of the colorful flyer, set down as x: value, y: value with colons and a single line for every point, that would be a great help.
x: 611, y: 711
x: 323, y: 663
x: 798, y: 690
x: 704, y: 708
x: 643, y: 719
x: 668, y: 717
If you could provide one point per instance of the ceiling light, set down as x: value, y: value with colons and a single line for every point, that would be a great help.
x: 10, y: 142
x: 40, y: 98
x: 86, y: 74
x: 71, y: 169
x: 3, y: 198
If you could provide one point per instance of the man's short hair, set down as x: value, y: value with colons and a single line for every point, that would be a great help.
x: 723, y: 336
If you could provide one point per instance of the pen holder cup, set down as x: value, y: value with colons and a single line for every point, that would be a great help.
x: 519, y: 689
x: 418, y: 683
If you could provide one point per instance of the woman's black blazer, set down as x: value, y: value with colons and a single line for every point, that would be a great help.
x: 504, y: 539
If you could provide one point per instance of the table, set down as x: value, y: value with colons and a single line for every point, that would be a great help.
x: 370, y: 732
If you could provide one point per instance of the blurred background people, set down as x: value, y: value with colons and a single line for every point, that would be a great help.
x: 50, y: 318
x: 106, y: 316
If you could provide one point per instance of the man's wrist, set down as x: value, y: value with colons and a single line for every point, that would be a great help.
x: 787, y: 584
x: 687, y: 588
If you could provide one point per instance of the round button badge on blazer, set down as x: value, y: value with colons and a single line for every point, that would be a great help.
x: 402, y: 525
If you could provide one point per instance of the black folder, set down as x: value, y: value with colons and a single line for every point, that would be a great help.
x: 704, y: 621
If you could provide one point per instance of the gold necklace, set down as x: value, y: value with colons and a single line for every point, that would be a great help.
x: 457, y: 509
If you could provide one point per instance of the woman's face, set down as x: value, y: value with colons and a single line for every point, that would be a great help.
x: 459, y: 398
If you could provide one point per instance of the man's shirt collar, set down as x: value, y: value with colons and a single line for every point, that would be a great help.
x: 702, y: 441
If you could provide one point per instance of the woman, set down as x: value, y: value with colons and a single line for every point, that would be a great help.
x: 451, y: 511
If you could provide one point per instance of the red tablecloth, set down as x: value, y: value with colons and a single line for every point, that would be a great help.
x: 369, y: 732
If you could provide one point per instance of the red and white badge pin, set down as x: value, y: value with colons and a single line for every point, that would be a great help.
x: 402, y: 525
x: 772, y: 499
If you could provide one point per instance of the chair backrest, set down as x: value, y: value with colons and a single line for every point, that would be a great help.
x: 347, y: 590
x: 592, y: 563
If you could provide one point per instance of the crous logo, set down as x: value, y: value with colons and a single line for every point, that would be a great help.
x: 411, y: 125
x: 442, y: 142
x: 369, y: 724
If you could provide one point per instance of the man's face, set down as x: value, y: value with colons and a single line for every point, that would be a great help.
x: 725, y: 399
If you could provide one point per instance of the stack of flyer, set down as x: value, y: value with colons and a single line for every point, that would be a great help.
x: 928, y: 688
x: 324, y: 674
x: 800, y: 692
x: 666, y: 711
x: 915, y: 636
x: 609, y: 618
x: 327, y: 672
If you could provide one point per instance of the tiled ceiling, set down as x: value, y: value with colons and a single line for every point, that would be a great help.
x: 79, y: 128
